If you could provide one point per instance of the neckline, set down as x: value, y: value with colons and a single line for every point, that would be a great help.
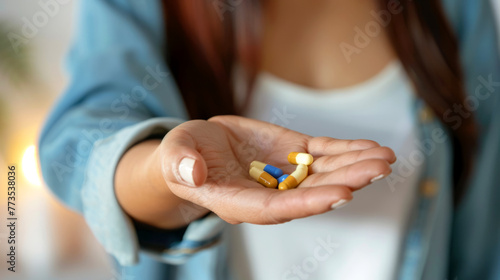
x: 370, y: 88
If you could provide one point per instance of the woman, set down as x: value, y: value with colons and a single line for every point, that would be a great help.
x: 419, y: 77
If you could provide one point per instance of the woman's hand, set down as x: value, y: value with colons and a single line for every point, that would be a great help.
x: 206, y: 163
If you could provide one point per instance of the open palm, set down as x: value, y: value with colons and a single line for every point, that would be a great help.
x: 223, y: 148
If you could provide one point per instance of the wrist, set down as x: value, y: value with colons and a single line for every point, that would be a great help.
x: 152, y: 170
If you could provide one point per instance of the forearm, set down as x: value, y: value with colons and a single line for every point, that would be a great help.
x: 143, y: 193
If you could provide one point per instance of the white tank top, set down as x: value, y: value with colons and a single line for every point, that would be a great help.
x: 362, y: 240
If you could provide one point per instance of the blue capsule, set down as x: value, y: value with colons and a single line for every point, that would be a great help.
x: 282, y: 178
x: 274, y: 171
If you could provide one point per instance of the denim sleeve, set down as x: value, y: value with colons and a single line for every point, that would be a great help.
x: 120, y: 93
x: 475, y: 243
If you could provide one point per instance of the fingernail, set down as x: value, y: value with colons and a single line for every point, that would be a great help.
x: 339, y: 204
x: 186, y: 167
x: 394, y: 160
x: 377, y: 178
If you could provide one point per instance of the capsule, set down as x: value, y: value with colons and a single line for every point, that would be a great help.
x: 263, y: 178
x: 282, y: 178
x: 295, y: 178
x: 274, y: 171
x: 300, y: 158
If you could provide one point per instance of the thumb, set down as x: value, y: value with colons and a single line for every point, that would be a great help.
x: 180, y: 161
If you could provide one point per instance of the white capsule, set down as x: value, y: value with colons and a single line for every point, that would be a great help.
x: 295, y: 178
x: 300, y: 158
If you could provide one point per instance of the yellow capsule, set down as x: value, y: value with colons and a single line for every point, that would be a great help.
x: 295, y: 178
x: 263, y: 178
x: 300, y: 158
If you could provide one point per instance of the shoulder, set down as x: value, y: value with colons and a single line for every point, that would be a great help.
x: 117, y: 16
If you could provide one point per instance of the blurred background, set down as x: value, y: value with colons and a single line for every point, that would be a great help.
x: 51, y: 241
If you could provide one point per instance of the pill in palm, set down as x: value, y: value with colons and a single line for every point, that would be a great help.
x: 263, y: 178
x: 274, y: 171
x: 282, y: 178
x: 295, y: 178
x: 300, y: 158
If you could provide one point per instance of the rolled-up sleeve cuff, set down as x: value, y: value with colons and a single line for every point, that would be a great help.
x: 109, y: 223
x: 200, y: 234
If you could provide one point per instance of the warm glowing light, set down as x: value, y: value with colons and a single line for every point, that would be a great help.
x: 30, y: 166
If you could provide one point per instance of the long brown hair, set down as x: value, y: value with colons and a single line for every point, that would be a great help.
x: 205, y: 38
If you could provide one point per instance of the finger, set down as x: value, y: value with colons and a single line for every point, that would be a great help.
x: 266, y: 206
x: 355, y: 175
x: 181, y: 162
x: 301, y: 203
x: 232, y: 122
x: 320, y: 146
x: 331, y: 163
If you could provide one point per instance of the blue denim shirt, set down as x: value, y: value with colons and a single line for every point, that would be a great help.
x: 121, y: 93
